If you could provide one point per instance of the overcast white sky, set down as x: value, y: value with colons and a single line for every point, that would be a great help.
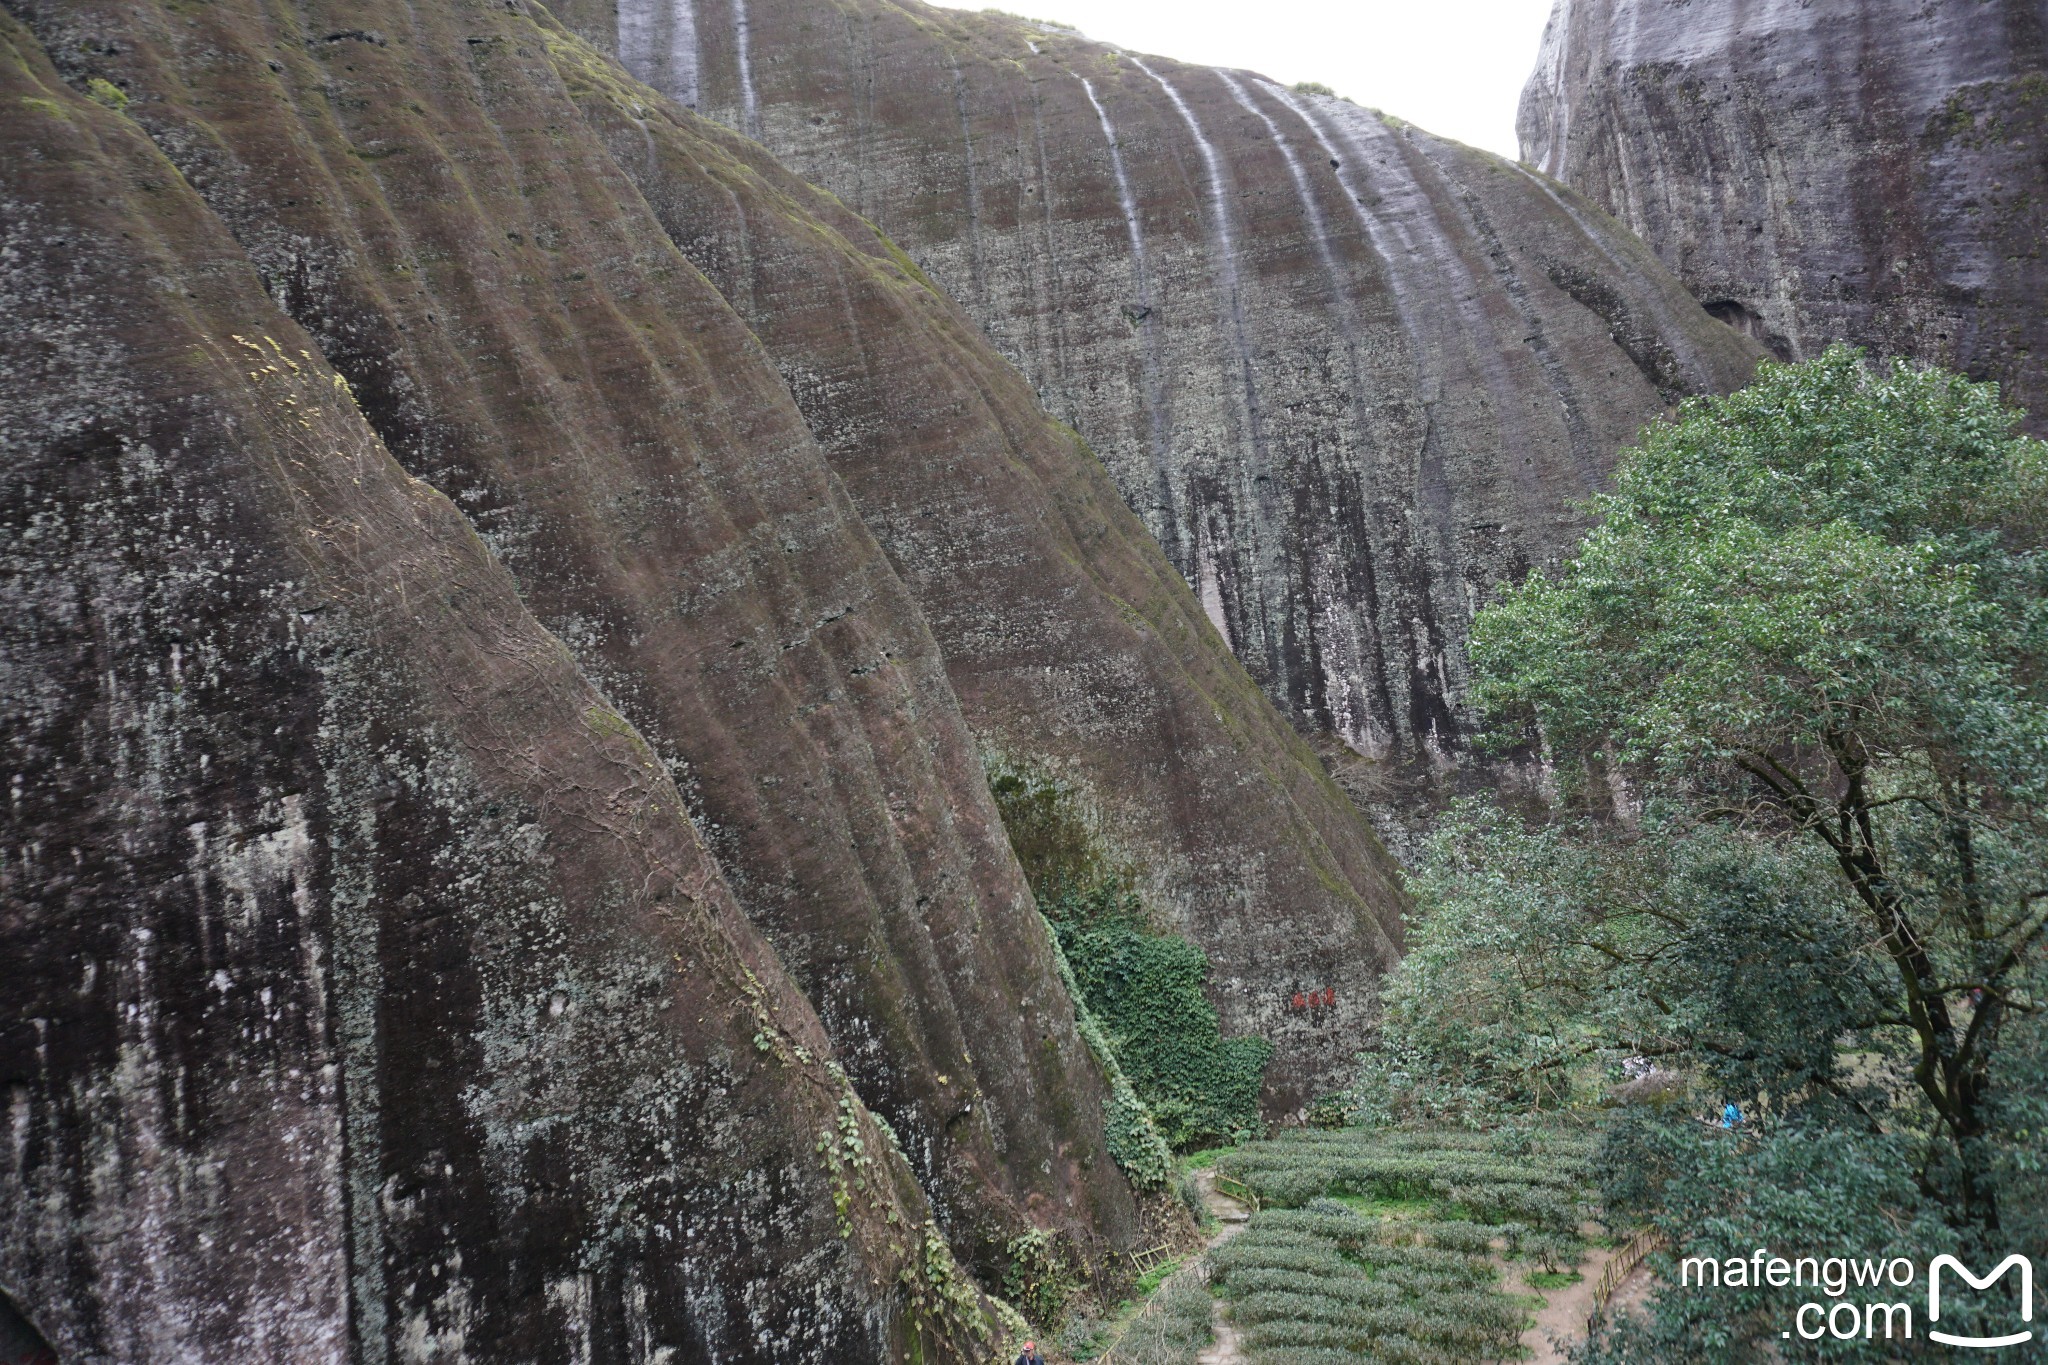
x: 1455, y: 67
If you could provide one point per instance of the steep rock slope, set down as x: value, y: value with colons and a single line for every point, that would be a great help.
x: 372, y: 994
x: 1349, y: 375
x: 1076, y: 650
x: 1817, y: 170
x: 420, y: 192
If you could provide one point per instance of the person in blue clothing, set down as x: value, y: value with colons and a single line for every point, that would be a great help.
x: 1031, y: 1355
x: 1731, y: 1117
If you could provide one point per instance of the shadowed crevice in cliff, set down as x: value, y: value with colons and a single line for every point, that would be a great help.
x: 19, y: 1339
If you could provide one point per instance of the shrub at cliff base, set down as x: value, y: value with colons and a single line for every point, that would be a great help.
x: 1143, y: 991
x: 1793, y: 688
x: 1146, y: 989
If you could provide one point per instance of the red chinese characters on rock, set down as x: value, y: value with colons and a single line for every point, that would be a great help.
x: 1312, y: 1000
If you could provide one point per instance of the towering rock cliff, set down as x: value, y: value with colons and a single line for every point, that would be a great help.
x: 460, y: 833
x: 1816, y: 170
x: 1350, y: 375
x: 420, y: 192
x: 372, y: 995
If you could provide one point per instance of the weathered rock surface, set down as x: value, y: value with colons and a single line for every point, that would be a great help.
x: 419, y: 191
x: 371, y: 994
x: 1351, y: 376
x: 1076, y: 650
x: 1873, y: 171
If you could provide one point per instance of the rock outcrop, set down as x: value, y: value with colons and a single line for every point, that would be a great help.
x: 372, y: 995
x: 460, y: 834
x: 1350, y: 375
x: 1874, y: 171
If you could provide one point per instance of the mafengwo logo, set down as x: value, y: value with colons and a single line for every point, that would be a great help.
x: 1844, y: 1315
x: 2012, y: 1262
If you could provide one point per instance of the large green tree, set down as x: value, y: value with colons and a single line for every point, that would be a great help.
x: 1815, y: 611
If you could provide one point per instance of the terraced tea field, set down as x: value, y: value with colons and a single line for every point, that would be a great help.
x: 1391, y: 1245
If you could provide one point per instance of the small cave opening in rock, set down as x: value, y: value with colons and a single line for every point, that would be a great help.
x: 1749, y: 322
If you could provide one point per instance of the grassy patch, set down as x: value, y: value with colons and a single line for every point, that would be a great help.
x: 1153, y: 1278
x: 1551, y: 1279
x: 1388, y: 1208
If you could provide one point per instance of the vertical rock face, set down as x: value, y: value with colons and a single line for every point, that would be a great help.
x: 1074, y: 647
x: 419, y: 191
x: 372, y: 994
x: 1349, y: 375
x: 1866, y: 170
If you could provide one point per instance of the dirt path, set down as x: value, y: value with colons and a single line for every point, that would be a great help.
x: 1561, y: 1323
x: 1231, y: 1217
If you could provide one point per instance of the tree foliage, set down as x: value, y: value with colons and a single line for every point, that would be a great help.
x: 1792, y: 690
x: 1815, y: 610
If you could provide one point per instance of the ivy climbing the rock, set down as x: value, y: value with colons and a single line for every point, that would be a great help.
x: 1146, y: 989
x: 1140, y: 992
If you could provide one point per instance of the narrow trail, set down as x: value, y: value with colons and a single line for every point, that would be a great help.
x: 1561, y: 1324
x: 1231, y: 1217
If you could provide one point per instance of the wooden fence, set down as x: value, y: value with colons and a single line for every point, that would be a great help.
x: 1150, y: 1257
x: 1238, y: 1190
x: 1627, y: 1259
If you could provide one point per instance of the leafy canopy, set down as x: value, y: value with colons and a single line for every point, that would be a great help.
x: 1834, y: 557
x: 1807, y: 644
x: 1815, y: 610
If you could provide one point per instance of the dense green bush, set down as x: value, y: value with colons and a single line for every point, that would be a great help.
x: 1801, y: 1191
x: 1144, y: 989
x: 1127, y: 1129
x: 1148, y: 991
x: 1544, y: 1191
x: 1188, y: 1190
x: 1247, y: 1279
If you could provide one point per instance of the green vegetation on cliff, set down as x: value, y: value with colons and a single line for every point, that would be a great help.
x: 1141, y: 991
x: 1146, y: 989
